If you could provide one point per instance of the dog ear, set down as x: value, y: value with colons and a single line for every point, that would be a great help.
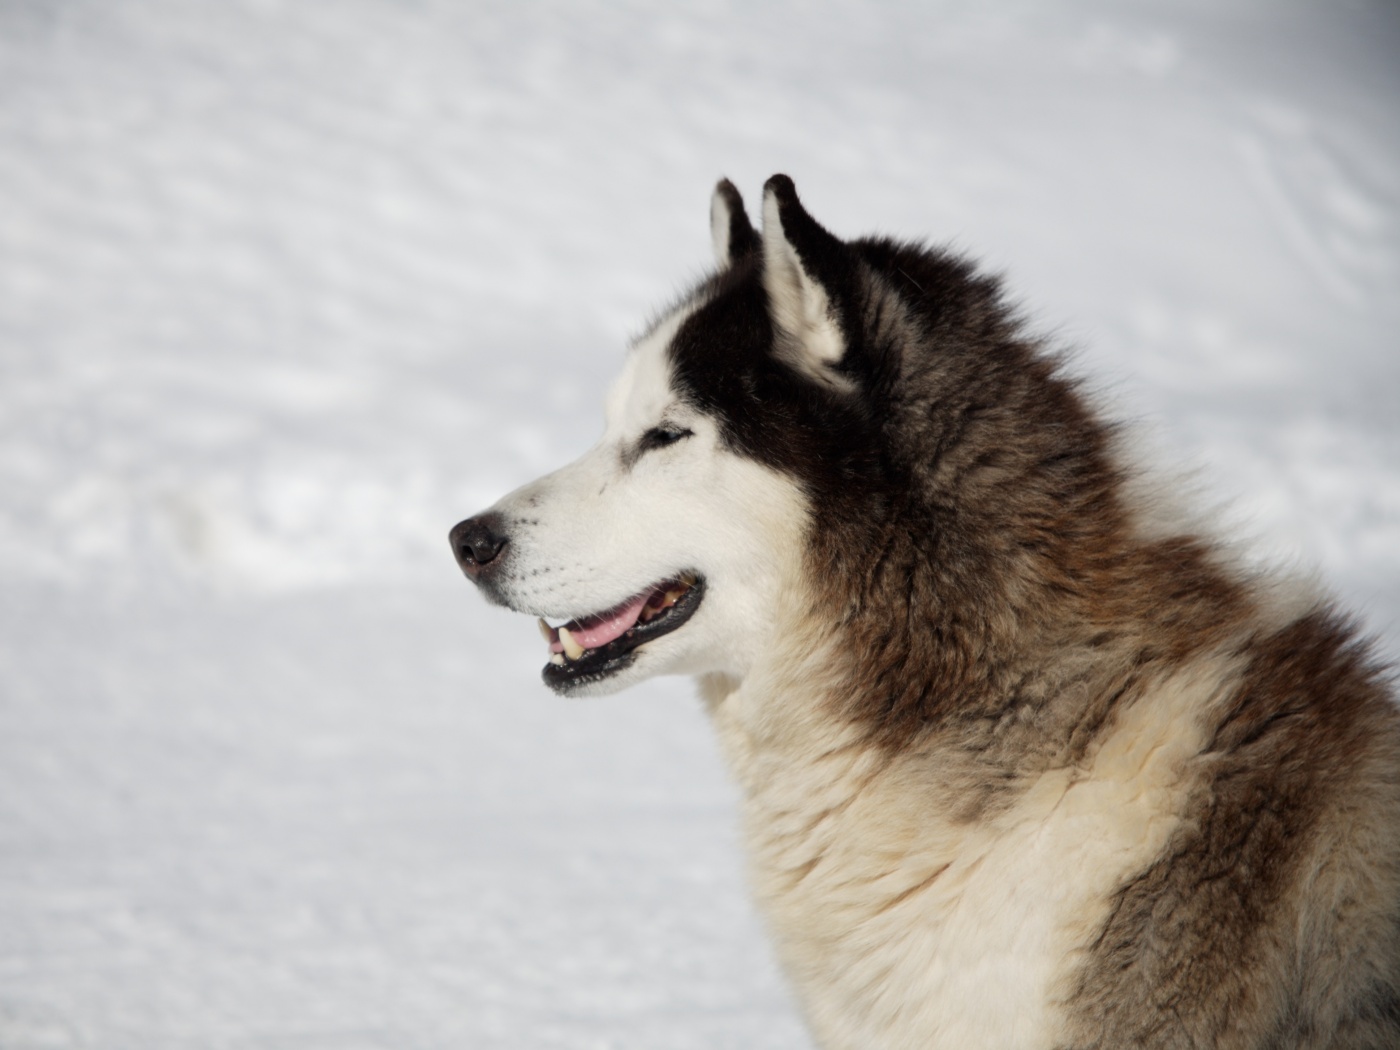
x: 804, y: 269
x: 730, y: 229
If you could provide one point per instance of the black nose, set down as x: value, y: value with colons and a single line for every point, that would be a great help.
x: 477, y: 542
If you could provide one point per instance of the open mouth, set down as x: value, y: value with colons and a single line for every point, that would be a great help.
x: 593, y: 647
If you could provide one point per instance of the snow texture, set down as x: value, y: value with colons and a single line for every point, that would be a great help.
x: 287, y: 290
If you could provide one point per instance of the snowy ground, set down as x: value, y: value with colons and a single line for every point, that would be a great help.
x: 287, y: 291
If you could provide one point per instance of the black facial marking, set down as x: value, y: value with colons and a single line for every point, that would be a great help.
x: 724, y: 364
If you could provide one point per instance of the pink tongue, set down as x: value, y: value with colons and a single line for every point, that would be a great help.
x: 603, y: 628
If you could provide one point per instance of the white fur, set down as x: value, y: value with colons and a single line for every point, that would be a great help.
x: 598, y: 531
x: 719, y: 229
x: 800, y: 306
x: 905, y: 927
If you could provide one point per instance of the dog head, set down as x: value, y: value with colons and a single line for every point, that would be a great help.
x: 743, y: 437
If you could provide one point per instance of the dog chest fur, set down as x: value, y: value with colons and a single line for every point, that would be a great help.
x: 900, y: 921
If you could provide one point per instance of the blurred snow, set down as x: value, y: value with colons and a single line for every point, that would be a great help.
x: 287, y: 290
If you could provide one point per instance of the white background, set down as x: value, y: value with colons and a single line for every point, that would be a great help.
x: 286, y: 291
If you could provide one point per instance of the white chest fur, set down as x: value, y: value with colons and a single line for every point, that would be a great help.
x: 902, y: 925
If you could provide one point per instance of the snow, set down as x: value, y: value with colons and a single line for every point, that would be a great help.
x: 287, y: 290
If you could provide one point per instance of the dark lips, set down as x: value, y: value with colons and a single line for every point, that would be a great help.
x: 606, y: 660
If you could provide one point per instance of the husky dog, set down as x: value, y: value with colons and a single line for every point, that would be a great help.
x: 1022, y: 765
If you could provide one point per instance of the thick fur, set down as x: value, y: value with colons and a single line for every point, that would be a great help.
x: 1020, y: 767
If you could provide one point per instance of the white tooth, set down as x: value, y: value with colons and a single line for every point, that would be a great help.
x: 546, y: 631
x: 571, y: 647
x: 558, y: 659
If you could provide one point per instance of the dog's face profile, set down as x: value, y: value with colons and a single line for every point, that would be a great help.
x: 665, y: 549
x: 746, y: 421
x: 661, y: 549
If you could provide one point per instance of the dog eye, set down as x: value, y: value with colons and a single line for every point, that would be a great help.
x: 660, y: 437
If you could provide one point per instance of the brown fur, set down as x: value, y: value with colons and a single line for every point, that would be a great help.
x: 998, y: 603
x: 1016, y: 766
x: 1272, y: 919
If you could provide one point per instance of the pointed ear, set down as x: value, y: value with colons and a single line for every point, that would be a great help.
x: 804, y: 269
x: 730, y: 229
